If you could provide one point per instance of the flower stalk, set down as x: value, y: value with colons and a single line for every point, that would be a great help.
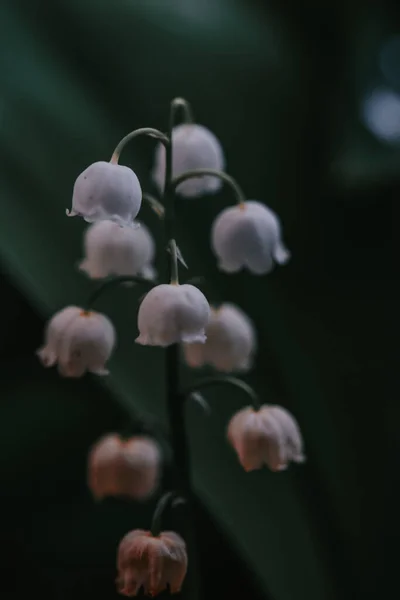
x: 113, y: 282
x: 208, y: 382
x: 162, y: 505
x: 149, y: 131
x: 228, y: 179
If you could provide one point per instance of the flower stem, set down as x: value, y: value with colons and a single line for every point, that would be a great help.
x: 237, y: 190
x: 149, y: 131
x: 175, y: 403
x: 181, y: 103
x: 114, y: 281
x: 223, y: 380
x: 175, y: 400
x: 162, y: 505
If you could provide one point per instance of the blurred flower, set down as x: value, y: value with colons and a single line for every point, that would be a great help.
x: 119, y: 467
x: 248, y: 236
x: 268, y: 436
x: 230, y: 343
x: 172, y: 313
x: 79, y: 341
x: 151, y: 562
x: 381, y: 114
x: 194, y: 147
x: 114, y: 250
x: 105, y: 191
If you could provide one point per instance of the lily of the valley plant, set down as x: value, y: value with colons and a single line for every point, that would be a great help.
x: 189, y: 162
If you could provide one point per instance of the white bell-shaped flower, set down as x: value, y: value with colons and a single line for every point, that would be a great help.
x: 172, y: 313
x: 78, y: 341
x: 106, y: 191
x: 114, y: 250
x: 268, y: 436
x: 194, y: 147
x: 230, y: 343
x: 248, y: 236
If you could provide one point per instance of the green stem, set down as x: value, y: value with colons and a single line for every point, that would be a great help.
x: 114, y: 281
x: 149, y: 131
x: 237, y: 190
x: 181, y: 103
x: 175, y: 400
x: 162, y: 505
x: 224, y: 380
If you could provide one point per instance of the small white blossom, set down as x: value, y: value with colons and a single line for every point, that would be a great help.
x: 118, y: 467
x: 153, y: 563
x: 248, y: 236
x: 114, y: 250
x: 105, y: 191
x: 194, y: 147
x: 172, y: 313
x: 230, y: 343
x: 268, y: 436
x: 78, y: 341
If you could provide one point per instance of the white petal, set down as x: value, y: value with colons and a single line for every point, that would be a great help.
x: 114, y: 250
x: 248, y: 236
x: 170, y: 313
x: 107, y: 191
x: 194, y: 147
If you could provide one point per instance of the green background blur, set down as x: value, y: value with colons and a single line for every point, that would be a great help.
x: 281, y: 85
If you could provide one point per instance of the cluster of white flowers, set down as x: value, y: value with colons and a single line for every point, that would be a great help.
x: 79, y: 340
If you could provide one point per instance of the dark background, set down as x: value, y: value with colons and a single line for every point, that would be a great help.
x: 283, y: 87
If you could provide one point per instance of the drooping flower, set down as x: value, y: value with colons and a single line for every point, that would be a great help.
x: 114, y: 250
x: 172, y: 313
x: 78, y: 341
x: 118, y: 467
x: 248, y: 236
x: 269, y: 436
x: 106, y: 191
x: 151, y: 562
x: 194, y: 147
x: 230, y: 343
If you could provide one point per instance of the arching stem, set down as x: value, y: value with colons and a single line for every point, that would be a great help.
x: 230, y: 181
x: 149, y: 131
x: 113, y: 282
x: 156, y: 523
x: 181, y: 103
x: 208, y: 382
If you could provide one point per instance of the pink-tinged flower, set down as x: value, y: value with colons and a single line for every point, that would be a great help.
x: 248, y: 236
x: 78, y: 341
x: 105, y: 191
x: 194, y: 147
x: 111, y: 249
x: 230, y: 343
x: 268, y: 436
x: 172, y: 313
x: 151, y: 562
x: 129, y: 468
